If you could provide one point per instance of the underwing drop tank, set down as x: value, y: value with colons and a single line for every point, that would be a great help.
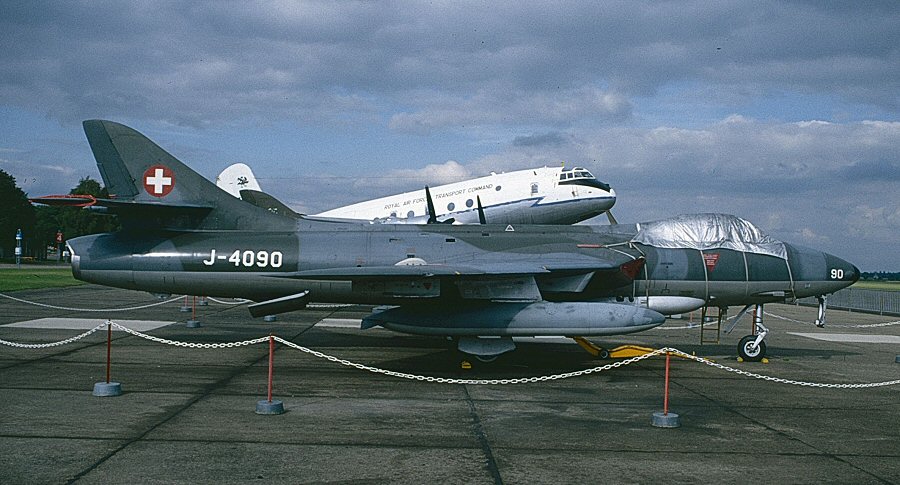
x: 519, y: 319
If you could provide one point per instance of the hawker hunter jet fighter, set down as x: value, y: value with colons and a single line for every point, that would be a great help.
x: 182, y: 234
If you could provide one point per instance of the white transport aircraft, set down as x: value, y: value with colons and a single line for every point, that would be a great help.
x: 546, y: 195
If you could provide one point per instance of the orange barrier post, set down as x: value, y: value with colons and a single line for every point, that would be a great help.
x: 269, y: 406
x: 666, y: 398
x: 108, y: 388
x: 666, y: 419
x: 193, y: 322
x: 271, y: 363
x: 108, y: 349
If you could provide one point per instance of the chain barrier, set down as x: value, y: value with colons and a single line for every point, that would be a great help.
x: 446, y: 380
x: 869, y: 325
x: 240, y: 301
x: 697, y: 325
x: 779, y: 379
x: 52, y: 344
x: 54, y: 307
x: 190, y: 345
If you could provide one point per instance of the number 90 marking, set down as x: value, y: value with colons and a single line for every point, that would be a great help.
x: 837, y: 274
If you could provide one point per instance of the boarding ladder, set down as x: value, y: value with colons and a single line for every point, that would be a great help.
x: 709, y: 314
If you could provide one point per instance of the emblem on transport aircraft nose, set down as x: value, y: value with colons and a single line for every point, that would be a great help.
x: 159, y: 180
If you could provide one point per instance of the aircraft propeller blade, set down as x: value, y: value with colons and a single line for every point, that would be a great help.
x: 481, y: 218
x: 612, y: 220
x: 432, y: 216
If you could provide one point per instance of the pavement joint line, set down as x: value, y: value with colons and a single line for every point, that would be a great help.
x: 598, y: 448
x: 205, y: 392
x: 481, y: 437
x: 731, y: 409
x: 68, y: 351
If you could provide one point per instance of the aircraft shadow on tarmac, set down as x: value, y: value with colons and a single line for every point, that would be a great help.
x: 441, y: 358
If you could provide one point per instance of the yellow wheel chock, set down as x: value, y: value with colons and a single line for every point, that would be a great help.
x: 620, y: 352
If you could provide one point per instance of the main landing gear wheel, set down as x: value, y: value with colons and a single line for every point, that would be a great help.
x: 750, y: 352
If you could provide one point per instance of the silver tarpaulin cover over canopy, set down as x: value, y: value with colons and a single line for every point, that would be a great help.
x: 708, y: 231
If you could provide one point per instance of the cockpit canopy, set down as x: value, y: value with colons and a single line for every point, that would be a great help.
x: 708, y: 231
x: 581, y: 176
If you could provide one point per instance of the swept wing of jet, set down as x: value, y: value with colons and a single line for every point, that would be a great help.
x: 182, y: 234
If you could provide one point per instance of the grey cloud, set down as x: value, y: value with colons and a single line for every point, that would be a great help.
x: 880, y: 170
x: 538, y: 140
x: 193, y: 63
x: 490, y: 107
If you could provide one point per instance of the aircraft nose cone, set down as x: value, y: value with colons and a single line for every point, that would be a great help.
x: 855, y: 273
x: 841, y: 271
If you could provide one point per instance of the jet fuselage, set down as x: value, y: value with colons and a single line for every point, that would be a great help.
x: 263, y: 266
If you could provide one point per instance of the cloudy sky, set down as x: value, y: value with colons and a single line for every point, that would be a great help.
x: 784, y: 113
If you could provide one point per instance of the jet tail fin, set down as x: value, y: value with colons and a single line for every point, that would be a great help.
x: 153, y: 186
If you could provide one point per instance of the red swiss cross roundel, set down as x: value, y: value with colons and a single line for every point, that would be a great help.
x: 159, y: 180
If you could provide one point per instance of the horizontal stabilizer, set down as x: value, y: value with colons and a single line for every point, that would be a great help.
x: 267, y: 202
x: 65, y: 200
x: 91, y: 201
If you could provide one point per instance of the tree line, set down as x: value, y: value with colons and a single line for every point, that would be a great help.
x: 880, y: 276
x: 40, y: 224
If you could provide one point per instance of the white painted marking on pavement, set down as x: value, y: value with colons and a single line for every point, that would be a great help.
x: 851, y: 338
x: 339, y: 323
x: 86, y: 324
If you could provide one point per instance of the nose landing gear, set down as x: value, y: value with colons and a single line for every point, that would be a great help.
x: 752, y: 348
x: 823, y: 305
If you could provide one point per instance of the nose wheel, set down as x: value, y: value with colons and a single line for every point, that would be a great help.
x: 750, y: 350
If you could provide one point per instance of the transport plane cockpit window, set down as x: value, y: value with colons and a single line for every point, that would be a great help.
x: 581, y: 176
